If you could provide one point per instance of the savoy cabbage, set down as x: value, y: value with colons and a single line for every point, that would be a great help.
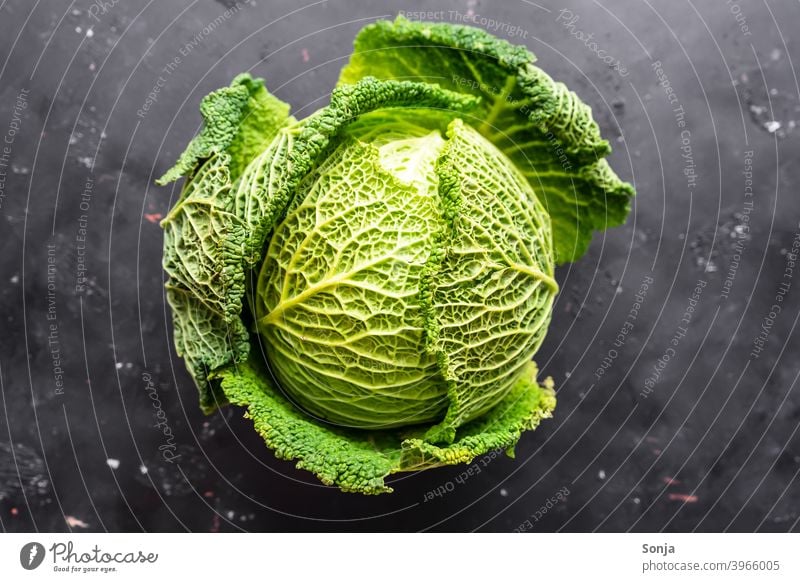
x: 372, y: 282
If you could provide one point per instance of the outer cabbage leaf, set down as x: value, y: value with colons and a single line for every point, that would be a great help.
x: 544, y: 128
x: 359, y: 461
x: 204, y: 240
x: 240, y: 120
x: 203, y: 244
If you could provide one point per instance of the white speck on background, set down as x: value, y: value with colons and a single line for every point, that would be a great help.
x: 75, y: 522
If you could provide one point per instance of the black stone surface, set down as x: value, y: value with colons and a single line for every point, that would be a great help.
x: 713, y: 447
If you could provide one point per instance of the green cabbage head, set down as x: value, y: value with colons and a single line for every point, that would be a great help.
x: 372, y: 281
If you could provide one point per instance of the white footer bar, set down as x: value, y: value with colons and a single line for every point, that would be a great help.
x: 401, y: 557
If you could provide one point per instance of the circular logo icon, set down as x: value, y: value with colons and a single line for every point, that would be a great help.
x: 31, y: 555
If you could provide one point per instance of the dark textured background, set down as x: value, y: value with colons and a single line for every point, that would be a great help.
x: 714, y: 447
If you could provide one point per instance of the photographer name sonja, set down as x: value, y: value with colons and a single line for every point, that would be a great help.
x: 662, y: 549
x: 65, y: 553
